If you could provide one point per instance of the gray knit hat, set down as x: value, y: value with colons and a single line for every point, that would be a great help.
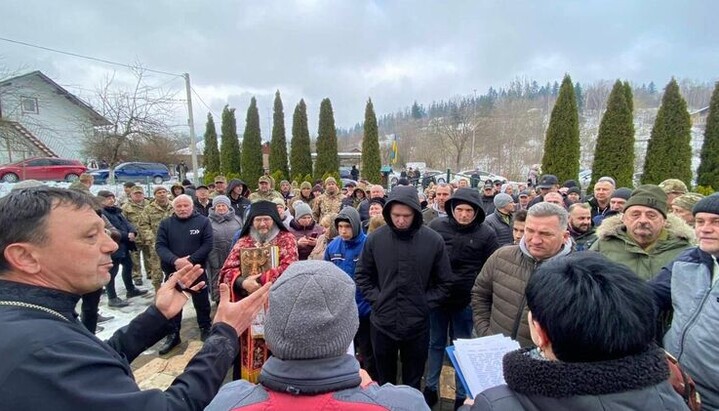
x: 301, y: 209
x: 221, y: 200
x: 708, y: 204
x: 502, y: 199
x: 622, y: 192
x: 312, y: 312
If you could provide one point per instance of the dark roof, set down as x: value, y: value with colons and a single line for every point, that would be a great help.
x: 97, y: 118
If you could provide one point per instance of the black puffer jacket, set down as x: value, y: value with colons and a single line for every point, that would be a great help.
x: 403, y: 273
x: 468, y: 246
x: 121, y: 224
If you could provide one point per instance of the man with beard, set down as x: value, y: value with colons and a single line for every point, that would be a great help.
x: 328, y: 203
x: 403, y: 272
x: 644, y: 237
x: 263, y: 229
x: 442, y: 193
x: 264, y: 191
x: 468, y: 243
x: 580, y: 226
x: 185, y: 239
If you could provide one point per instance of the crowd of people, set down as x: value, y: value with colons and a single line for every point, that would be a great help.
x: 366, y: 289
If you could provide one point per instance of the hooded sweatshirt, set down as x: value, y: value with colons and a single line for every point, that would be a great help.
x: 468, y: 246
x: 403, y: 273
x: 345, y: 253
x: 241, y: 203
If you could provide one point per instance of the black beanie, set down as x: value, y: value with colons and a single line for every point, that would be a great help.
x: 709, y: 204
x: 648, y: 195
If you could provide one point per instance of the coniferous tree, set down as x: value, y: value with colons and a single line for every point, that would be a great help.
x: 211, y: 153
x: 614, y: 153
x: 669, y: 152
x: 231, y: 162
x: 561, y: 146
x: 252, y: 168
x: 371, y: 161
x: 708, y: 172
x: 579, y: 95
x: 327, y: 159
x: 278, y: 144
x: 629, y: 97
x: 300, y: 154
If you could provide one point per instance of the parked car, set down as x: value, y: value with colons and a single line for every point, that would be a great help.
x: 483, y: 176
x: 42, y: 168
x: 135, y: 172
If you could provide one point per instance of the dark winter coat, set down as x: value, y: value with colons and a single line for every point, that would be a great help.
x: 487, y: 204
x: 638, y: 382
x: 468, y: 246
x: 502, y: 228
x: 177, y: 238
x: 56, y: 363
x: 121, y: 224
x: 241, y: 203
x: 313, y: 230
x: 403, y: 273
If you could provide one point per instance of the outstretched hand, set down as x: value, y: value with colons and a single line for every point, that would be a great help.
x: 170, y: 300
x: 239, y: 315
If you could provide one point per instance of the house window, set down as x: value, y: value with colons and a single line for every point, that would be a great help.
x: 29, y: 105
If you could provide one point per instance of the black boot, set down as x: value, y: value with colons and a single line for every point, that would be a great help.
x: 430, y: 396
x: 171, y: 341
x: 204, y: 333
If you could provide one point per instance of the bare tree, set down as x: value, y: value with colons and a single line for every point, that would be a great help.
x: 455, y: 131
x: 139, y: 116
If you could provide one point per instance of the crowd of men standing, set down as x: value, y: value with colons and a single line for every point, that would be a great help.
x: 447, y: 262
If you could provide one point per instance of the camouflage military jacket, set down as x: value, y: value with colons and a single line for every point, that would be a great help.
x: 269, y: 196
x: 150, y: 220
x: 326, y: 204
x: 133, y: 213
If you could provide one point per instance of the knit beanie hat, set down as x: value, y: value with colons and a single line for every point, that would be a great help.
x: 158, y: 188
x: 687, y: 201
x: 648, y: 195
x: 709, y: 204
x: 305, y: 184
x: 502, y: 199
x: 622, y: 192
x: 221, y: 200
x: 301, y: 209
x: 312, y: 312
x: 330, y: 180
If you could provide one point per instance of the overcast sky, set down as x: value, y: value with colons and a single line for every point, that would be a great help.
x: 395, y: 52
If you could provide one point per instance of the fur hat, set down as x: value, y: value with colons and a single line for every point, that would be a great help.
x: 301, y: 209
x: 312, y: 312
x: 221, y: 200
x: 648, y: 195
x: 708, y: 204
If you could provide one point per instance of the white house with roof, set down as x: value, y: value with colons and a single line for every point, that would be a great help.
x: 38, y: 117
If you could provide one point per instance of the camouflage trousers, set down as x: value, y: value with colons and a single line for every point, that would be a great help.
x: 142, y: 253
x: 152, y: 264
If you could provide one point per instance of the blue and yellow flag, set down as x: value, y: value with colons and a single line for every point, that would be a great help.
x: 394, y: 153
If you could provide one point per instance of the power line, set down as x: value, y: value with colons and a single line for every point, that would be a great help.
x: 68, y: 53
x: 203, y: 102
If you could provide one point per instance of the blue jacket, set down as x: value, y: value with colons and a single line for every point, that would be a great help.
x: 120, y: 222
x: 686, y: 286
x: 345, y: 253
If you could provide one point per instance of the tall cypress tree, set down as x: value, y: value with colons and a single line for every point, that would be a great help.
x: 278, y: 144
x: 561, y: 146
x: 211, y: 153
x: 614, y: 153
x: 708, y: 172
x: 371, y: 161
x: 669, y: 152
x: 252, y: 168
x: 629, y: 96
x: 231, y: 160
x: 327, y: 159
x: 300, y: 154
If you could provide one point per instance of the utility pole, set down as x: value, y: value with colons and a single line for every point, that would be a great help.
x: 474, y: 124
x: 191, y: 123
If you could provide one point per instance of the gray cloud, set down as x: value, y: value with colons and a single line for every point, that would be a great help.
x: 394, y: 52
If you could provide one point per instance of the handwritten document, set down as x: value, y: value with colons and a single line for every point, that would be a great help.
x: 480, y: 360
